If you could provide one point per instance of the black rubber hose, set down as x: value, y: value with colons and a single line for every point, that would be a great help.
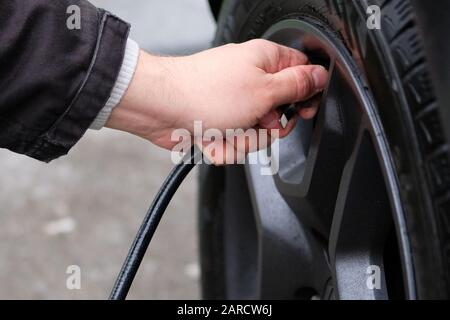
x: 156, y: 211
x: 150, y: 223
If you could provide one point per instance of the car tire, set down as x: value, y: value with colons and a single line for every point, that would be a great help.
x: 394, y: 62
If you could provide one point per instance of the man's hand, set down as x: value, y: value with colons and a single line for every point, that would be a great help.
x: 229, y: 87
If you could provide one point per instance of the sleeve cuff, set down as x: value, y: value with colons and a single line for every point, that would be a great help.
x: 106, y: 58
x: 126, y: 74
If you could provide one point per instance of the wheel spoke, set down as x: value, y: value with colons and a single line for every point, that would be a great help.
x: 360, y: 226
x: 312, y: 195
x: 288, y: 255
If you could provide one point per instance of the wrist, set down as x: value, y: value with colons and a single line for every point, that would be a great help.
x: 148, y: 108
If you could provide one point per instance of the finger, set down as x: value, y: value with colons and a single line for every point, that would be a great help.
x: 234, y: 148
x: 264, y: 140
x: 297, y: 84
x: 289, y: 57
x: 251, y: 140
x: 310, y: 111
x: 288, y: 129
x: 213, y: 152
x: 277, y: 57
x: 271, y: 121
x: 221, y: 152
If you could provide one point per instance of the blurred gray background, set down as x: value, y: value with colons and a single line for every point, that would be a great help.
x: 84, y: 209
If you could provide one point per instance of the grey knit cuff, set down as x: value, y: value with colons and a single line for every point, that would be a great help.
x: 126, y: 73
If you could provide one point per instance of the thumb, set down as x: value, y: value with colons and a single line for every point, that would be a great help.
x: 298, y: 83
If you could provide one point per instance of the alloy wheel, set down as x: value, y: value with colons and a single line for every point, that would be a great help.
x: 330, y: 223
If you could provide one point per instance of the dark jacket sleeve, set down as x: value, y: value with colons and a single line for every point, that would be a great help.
x: 54, y: 80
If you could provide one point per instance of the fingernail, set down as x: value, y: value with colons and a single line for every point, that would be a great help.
x: 320, y: 76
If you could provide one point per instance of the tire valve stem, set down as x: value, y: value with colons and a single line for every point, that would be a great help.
x: 289, y: 111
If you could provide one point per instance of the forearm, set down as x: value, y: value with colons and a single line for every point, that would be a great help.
x: 54, y: 80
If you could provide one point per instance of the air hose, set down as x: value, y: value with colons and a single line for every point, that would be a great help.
x: 150, y: 223
x: 156, y: 211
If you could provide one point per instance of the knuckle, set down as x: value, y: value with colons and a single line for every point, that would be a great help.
x: 304, y: 83
x: 230, y: 45
x: 259, y: 41
x: 262, y: 44
x: 269, y: 93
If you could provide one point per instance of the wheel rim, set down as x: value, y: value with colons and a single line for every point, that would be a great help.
x: 332, y: 217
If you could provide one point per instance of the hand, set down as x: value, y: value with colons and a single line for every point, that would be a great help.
x: 233, y: 86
